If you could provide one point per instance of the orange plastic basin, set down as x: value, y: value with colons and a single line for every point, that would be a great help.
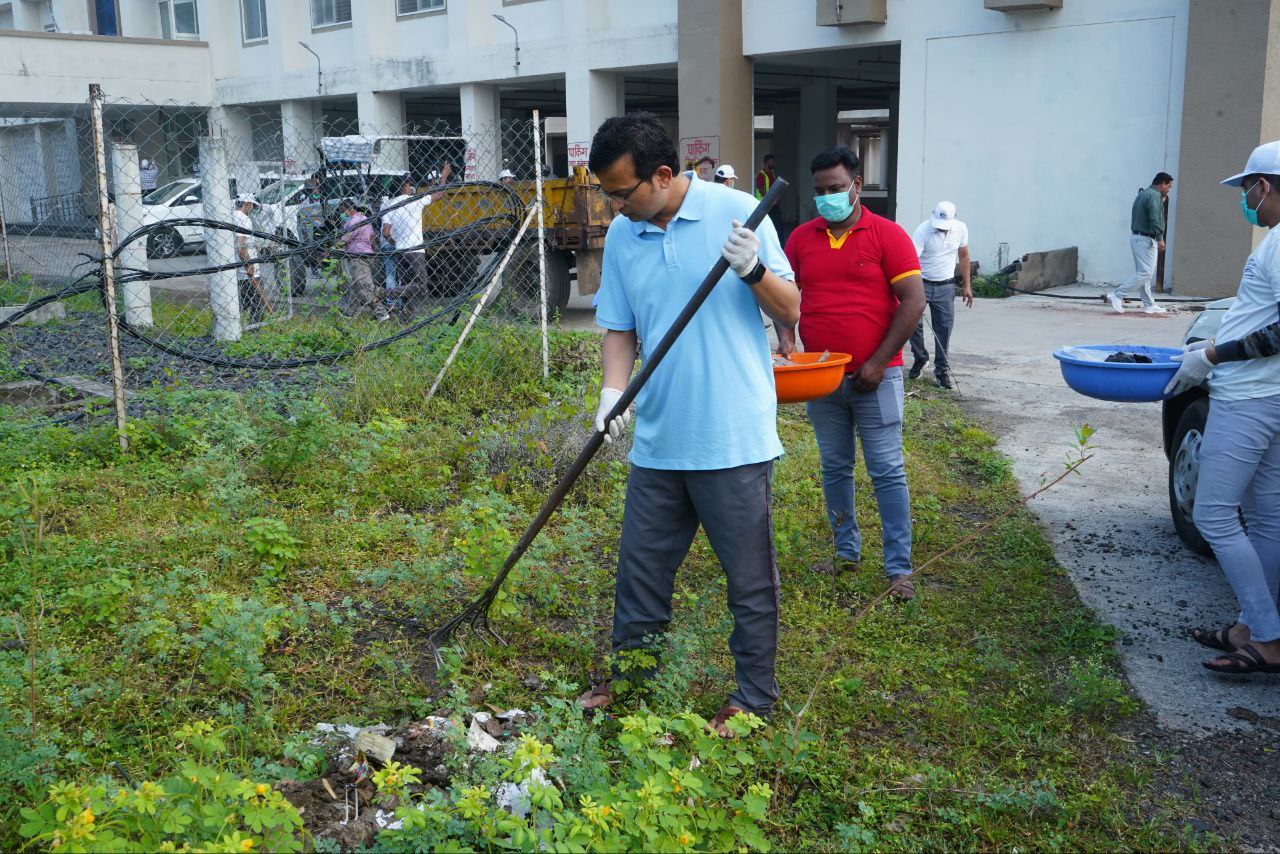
x: 807, y: 379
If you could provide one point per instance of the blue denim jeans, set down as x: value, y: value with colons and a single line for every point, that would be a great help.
x: 1240, y: 470
x: 874, y: 418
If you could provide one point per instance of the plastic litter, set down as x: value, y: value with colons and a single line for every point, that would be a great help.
x: 515, y: 799
x: 478, y: 739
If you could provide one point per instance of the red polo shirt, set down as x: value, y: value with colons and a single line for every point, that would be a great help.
x: 846, y: 302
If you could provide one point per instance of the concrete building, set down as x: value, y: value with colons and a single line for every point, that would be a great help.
x: 1039, y: 118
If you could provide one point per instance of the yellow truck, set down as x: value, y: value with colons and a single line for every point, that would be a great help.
x: 576, y: 218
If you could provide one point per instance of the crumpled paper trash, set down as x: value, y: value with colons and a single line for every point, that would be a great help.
x: 479, y: 740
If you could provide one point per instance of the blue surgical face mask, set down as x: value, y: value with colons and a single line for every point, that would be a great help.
x: 1251, y: 214
x: 835, y: 207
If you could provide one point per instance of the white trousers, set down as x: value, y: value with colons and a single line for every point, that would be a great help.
x: 1145, y: 252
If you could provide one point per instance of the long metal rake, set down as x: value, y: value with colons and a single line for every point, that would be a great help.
x: 476, y: 613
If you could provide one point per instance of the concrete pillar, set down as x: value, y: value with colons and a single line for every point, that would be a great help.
x: 128, y: 193
x: 220, y: 246
x: 817, y: 131
x: 890, y: 171
x: 590, y: 98
x: 714, y: 80
x: 27, y: 15
x: 301, y: 130
x: 235, y: 126
x: 790, y: 162
x: 481, y: 124
x: 1228, y: 109
x: 382, y: 114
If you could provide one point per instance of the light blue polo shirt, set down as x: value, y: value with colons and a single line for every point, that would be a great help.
x: 711, y: 403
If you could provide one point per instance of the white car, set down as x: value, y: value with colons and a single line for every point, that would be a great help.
x: 179, y: 199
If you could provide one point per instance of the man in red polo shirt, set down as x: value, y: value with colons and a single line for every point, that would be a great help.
x: 860, y: 293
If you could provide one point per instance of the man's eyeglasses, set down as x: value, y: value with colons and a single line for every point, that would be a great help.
x: 621, y: 195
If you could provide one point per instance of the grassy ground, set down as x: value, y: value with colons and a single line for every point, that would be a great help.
x: 232, y: 569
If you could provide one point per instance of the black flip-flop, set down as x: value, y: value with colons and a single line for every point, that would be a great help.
x: 1208, y: 638
x: 1246, y: 659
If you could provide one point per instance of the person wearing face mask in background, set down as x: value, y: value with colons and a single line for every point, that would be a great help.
x: 356, y: 239
x: 860, y: 293
x: 1240, y: 454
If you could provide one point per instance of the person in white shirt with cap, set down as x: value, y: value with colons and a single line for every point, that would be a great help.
x: 1240, y: 453
x: 253, y: 298
x: 942, y: 242
x: 725, y: 175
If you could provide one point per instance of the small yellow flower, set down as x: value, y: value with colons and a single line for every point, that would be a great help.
x: 684, y: 839
x: 261, y: 789
x: 604, y: 811
x: 678, y: 788
x: 87, y: 816
x: 246, y: 845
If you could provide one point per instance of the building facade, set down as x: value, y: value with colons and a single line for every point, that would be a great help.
x: 1040, y: 120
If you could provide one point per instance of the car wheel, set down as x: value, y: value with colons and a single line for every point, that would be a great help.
x: 163, y: 243
x: 1184, y: 473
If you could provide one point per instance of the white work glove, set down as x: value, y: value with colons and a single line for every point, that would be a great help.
x: 1194, y: 367
x: 741, y: 249
x: 1199, y: 345
x: 608, y: 398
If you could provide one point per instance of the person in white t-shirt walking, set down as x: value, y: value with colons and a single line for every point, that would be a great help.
x: 941, y: 241
x: 1240, y: 454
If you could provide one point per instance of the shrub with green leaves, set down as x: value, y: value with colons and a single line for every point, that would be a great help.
x: 204, y: 806
x: 677, y: 788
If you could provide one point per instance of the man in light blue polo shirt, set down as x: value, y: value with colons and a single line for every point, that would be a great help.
x: 706, y: 434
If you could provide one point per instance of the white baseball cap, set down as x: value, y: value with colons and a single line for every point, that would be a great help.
x: 944, y: 216
x: 1265, y: 160
x: 506, y: 173
x: 145, y: 163
x: 246, y: 198
x: 726, y: 172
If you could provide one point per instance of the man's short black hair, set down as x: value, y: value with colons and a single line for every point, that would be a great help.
x: 1161, y: 178
x: 841, y: 155
x: 640, y: 134
x: 768, y: 158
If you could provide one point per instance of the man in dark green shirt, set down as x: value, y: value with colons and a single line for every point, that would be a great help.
x: 1147, y: 241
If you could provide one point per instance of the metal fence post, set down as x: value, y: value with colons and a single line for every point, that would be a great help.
x: 108, y: 265
x: 542, y: 242
x: 129, y: 212
x: 4, y: 238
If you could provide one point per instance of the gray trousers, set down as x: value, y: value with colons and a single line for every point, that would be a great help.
x: 941, y: 301
x: 360, y: 292
x: 663, y: 511
x: 1240, y: 470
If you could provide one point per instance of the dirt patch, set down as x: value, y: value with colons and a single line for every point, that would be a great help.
x: 1229, y: 780
x: 328, y: 804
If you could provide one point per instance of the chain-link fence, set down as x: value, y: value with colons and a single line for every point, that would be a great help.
x: 271, y: 253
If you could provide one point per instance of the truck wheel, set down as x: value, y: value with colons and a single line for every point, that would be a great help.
x: 1184, y: 472
x: 558, y: 280
x: 524, y: 281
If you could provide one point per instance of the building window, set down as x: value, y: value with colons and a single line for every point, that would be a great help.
x: 413, y: 7
x: 326, y: 13
x: 105, y: 17
x: 6, y: 16
x: 179, y: 19
x: 253, y: 14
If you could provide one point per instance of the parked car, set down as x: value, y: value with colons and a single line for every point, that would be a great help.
x: 1183, y: 421
x: 176, y: 200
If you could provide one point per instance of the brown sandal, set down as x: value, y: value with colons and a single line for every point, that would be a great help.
x: 902, y: 588
x: 840, y: 566
x: 718, y: 723
x: 598, y: 697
